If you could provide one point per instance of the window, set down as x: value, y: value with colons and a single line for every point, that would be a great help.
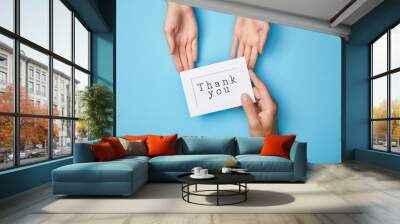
x: 385, y: 91
x: 30, y: 87
x: 34, y: 21
x: 43, y: 116
x: 81, y: 45
x: 7, y: 14
x: 6, y: 73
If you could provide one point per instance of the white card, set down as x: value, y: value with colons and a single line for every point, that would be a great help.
x: 216, y: 87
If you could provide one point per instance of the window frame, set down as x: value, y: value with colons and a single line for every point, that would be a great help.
x: 16, y: 115
x: 388, y: 74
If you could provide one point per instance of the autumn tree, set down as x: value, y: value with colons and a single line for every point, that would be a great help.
x: 33, y: 131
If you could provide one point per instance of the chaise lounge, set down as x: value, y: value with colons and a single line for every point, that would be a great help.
x: 125, y: 176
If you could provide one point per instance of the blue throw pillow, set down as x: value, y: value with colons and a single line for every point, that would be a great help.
x: 249, y: 145
x: 194, y: 145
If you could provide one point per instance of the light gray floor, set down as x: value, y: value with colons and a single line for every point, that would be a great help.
x: 377, y: 188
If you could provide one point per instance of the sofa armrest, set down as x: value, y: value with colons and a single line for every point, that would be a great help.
x: 298, y: 155
x: 83, y: 152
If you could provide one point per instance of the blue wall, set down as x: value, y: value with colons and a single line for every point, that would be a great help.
x: 301, y: 68
x: 102, y: 58
x: 357, y: 83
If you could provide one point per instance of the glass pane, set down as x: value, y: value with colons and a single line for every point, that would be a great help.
x: 7, y: 14
x: 395, y: 47
x: 379, y: 55
x: 6, y: 74
x: 395, y: 136
x: 6, y: 142
x: 81, y: 82
x: 34, y: 97
x: 395, y: 94
x: 81, y: 131
x: 35, y: 21
x: 62, y: 29
x: 379, y: 97
x: 62, y: 138
x: 81, y: 45
x: 33, y: 140
x: 62, y: 89
x: 379, y: 135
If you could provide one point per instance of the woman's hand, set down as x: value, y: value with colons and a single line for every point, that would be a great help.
x: 249, y: 37
x: 181, y: 30
x: 262, y: 115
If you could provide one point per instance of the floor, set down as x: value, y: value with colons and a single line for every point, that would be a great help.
x: 379, y: 189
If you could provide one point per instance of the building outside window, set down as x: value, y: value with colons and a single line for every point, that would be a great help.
x: 59, y: 127
x: 385, y: 91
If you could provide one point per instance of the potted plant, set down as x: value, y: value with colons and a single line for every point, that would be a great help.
x: 96, y: 102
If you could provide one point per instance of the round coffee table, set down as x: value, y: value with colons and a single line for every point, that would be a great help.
x: 238, y: 179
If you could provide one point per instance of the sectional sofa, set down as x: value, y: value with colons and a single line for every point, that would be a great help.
x: 125, y: 176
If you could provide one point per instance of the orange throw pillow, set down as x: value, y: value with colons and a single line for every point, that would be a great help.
x: 161, y: 145
x: 277, y: 145
x: 116, y: 145
x: 103, y: 152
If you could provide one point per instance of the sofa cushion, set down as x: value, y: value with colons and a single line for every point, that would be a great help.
x: 185, y: 163
x: 112, y: 171
x: 249, y: 145
x: 257, y: 163
x: 198, y: 145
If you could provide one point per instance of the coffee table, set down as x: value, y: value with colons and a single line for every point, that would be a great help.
x: 238, y: 179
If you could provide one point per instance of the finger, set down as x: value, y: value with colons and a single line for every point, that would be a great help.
x: 240, y: 51
x: 177, y: 61
x: 256, y: 93
x: 263, y: 90
x: 247, y: 52
x: 253, y: 57
x: 235, y: 43
x: 250, y: 109
x: 189, y: 55
x: 263, y: 36
x: 194, y: 50
x: 182, y: 55
x: 171, y: 41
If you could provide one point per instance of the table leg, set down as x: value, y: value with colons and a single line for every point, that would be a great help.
x: 195, y: 188
x: 217, y: 194
x: 245, y: 193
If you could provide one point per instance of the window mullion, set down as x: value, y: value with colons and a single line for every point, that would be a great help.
x: 389, y: 101
x: 50, y: 81
x: 73, y: 82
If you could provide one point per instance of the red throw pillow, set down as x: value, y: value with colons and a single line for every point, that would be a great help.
x: 103, y: 152
x: 277, y: 145
x: 116, y: 145
x: 161, y: 145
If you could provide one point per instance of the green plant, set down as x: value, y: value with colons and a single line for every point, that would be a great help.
x: 96, y: 102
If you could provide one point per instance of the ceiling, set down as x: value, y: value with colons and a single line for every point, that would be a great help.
x: 328, y: 16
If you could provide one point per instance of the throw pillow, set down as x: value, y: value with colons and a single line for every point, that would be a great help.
x: 136, y: 137
x: 137, y: 148
x: 277, y: 145
x: 116, y: 145
x: 161, y: 145
x: 103, y: 151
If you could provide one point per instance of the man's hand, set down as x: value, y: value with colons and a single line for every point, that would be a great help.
x: 262, y: 115
x: 249, y: 37
x: 180, y: 28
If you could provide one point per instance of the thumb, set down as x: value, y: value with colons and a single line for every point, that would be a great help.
x: 251, y: 111
x: 171, y: 41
